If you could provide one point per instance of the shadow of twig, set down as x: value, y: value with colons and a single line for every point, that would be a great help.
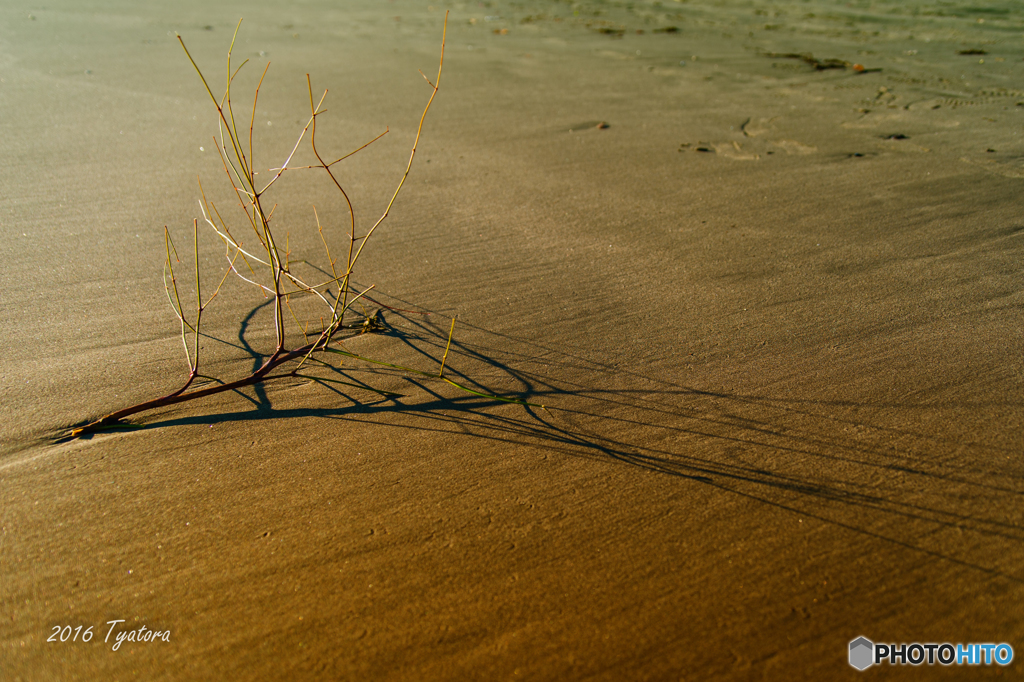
x: 783, y: 452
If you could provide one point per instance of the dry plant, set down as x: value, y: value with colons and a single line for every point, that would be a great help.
x: 268, y: 268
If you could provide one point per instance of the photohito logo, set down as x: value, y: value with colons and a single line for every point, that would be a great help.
x: 864, y: 653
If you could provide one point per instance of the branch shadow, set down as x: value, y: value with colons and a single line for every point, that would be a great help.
x: 793, y: 454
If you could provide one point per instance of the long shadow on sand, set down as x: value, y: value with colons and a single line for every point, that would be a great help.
x: 814, y: 458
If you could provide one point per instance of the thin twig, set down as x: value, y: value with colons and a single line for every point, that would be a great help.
x: 451, y: 332
x: 238, y: 166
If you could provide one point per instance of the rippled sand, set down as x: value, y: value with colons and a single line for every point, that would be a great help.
x: 760, y: 262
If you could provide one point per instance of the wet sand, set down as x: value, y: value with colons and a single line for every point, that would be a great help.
x: 774, y: 313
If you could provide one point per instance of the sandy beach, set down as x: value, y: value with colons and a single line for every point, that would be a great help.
x: 761, y: 263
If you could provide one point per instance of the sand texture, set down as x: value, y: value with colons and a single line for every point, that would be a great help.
x: 761, y: 262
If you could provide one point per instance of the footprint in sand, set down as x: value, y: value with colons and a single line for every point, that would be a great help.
x: 757, y: 127
x: 793, y: 147
x: 733, y: 150
x: 730, y: 150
